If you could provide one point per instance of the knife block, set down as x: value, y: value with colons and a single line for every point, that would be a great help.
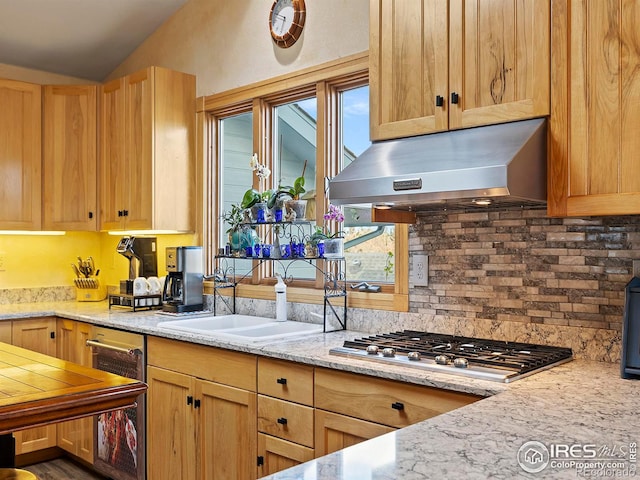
x: 90, y: 290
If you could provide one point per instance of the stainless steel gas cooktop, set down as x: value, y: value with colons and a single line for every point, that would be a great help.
x: 471, y: 357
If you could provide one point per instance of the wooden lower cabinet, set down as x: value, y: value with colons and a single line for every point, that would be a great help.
x: 171, y: 435
x: 275, y: 454
x: 75, y: 436
x: 37, y: 334
x: 387, y: 402
x: 198, y: 428
x: 5, y: 331
x: 227, y: 431
x: 335, y: 432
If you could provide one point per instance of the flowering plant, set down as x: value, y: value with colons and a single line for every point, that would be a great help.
x: 333, y: 214
x: 253, y: 196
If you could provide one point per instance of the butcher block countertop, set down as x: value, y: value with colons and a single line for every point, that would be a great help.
x: 37, y: 389
x: 581, y: 414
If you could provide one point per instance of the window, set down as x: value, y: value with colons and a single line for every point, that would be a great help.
x: 369, y: 248
x: 311, y: 125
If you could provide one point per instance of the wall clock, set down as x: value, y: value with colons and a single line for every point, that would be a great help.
x: 286, y: 21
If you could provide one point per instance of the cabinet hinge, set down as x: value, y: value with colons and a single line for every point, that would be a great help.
x: 260, y: 460
x: 196, y: 404
x: 52, y: 335
x: 189, y: 400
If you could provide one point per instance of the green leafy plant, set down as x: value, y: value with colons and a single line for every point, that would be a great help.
x: 388, y: 267
x: 233, y: 217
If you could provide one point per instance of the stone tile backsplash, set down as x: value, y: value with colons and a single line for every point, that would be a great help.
x: 520, y: 266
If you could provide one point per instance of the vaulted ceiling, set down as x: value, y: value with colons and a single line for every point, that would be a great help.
x: 80, y: 38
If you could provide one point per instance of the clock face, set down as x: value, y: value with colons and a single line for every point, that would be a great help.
x: 282, y: 17
x: 286, y: 21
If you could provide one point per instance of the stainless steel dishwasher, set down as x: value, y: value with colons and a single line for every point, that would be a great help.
x: 119, y: 438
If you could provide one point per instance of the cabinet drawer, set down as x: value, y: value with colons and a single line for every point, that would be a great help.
x: 387, y: 402
x: 286, y: 420
x: 279, y: 454
x: 286, y: 380
x: 209, y: 363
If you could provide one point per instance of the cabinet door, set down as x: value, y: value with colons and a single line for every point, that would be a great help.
x: 171, y: 439
x: 5, y: 331
x: 114, y: 175
x: 20, y: 155
x: 75, y: 436
x: 408, y: 67
x: 334, y: 431
x: 69, y: 158
x: 275, y: 454
x: 37, y: 334
x: 227, y: 432
x: 139, y: 142
x: 499, y: 61
x: 594, y: 123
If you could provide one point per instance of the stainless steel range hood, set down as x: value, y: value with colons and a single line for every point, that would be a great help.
x: 500, y: 165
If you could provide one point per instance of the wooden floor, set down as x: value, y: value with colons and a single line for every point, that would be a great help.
x: 62, y: 469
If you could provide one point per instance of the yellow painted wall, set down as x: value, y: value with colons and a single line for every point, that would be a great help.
x: 45, y: 261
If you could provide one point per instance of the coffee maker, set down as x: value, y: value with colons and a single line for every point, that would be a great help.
x: 141, y: 252
x: 183, y: 285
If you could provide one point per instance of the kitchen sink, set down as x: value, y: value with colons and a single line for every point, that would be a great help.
x: 213, y: 323
x: 242, y: 327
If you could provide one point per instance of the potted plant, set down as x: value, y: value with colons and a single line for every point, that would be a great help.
x: 329, y: 245
x: 240, y: 236
x: 295, y: 206
x: 252, y: 198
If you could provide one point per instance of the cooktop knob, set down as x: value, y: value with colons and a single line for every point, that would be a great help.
x: 372, y: 349
x: 461, y: 362
x: 415, y: 356
x: 388, y: 352
x: 442, y: 359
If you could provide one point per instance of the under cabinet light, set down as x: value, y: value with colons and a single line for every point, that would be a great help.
x: 144, y: 232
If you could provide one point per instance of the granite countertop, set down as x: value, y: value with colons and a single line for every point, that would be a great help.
x: 580, y: 416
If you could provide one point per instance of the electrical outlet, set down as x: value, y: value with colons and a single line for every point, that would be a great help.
x: 420, y: 270
x: 3, y: 262
x: 636, y: 268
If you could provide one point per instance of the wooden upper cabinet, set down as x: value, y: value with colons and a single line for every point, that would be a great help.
x: 69, y: 158
x: 20, y: 155
x: 147, y: 151
x: 595, y: 95
x: 408, y: 67
x: 448, y: 64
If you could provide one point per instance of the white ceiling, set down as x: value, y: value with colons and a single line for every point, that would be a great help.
x: 80, y: 38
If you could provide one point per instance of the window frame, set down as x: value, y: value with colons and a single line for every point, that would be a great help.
x: 325, y: 82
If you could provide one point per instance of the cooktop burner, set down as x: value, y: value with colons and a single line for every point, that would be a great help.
x: 471, y: 357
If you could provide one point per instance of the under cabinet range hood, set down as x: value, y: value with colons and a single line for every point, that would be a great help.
x: 497, y: 165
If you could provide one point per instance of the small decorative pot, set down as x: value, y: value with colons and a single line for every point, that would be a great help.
x: 334, y: 248
x: 260, y: 212
x: 296, y: 210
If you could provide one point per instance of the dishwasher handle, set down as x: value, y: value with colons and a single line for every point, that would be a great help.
x: 130, y: 351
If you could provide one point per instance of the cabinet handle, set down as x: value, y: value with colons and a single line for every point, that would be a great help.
x: 455, y: 98
x: 90, y: 215
x: 260, y: 460
x: 196, y: 404
x: 282, y: 381
x: 189, y: 400
x: 125, y: 213
x: 397, y: 406
x: 439, y: 100
x: 282, y: 421
x: 120, y: 213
